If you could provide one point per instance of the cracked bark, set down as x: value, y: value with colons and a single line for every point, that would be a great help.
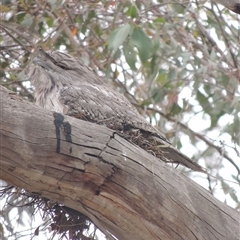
x: 121, y: 188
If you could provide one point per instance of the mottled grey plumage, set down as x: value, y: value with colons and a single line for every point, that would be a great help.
x: 63, y: 84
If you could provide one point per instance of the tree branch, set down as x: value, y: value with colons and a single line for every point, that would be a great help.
x: 124, y: 190
x: 198, y: 135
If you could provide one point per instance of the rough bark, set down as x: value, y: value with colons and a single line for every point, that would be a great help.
x: 233, y: 5
x: 124, y: 190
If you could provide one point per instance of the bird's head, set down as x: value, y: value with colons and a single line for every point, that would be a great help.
x: 50, y: 71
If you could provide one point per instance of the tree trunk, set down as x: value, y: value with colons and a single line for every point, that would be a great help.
x: 124, y: 190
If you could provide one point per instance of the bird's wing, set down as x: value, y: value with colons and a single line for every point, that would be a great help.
x: 102, y: 105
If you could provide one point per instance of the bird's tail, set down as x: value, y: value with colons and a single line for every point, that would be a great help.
x: 160, y: 148
x: 169, y: 153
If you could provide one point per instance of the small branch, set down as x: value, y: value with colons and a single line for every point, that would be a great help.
x: 209, y: 143
x: 15, y: 30
x: 15, y: 39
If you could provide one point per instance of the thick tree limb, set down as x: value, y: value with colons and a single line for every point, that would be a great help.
x: 120, y: 187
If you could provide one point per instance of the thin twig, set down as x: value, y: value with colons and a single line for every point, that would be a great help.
x: 198, y: 135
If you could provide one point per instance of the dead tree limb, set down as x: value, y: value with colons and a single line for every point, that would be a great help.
x: 124, y: 190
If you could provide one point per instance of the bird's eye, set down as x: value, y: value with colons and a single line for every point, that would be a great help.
x: 62, y: 65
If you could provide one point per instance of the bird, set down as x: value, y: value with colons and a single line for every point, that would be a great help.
x: 63, y: 84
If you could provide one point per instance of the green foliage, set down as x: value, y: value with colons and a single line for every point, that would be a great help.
x: 132, y: 12
x: 130, y: 56
x: 143, y: 43
x: 118, y: 36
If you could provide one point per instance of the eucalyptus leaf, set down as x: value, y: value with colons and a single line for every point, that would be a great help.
x: 118, y: 36
x: 143, y: 43
x: 132, y: 12
x: 130, y: 56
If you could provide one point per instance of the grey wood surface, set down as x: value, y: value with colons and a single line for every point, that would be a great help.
x: 124, y: 190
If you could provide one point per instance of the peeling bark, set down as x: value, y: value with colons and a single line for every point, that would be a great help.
x: 124, y: 190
